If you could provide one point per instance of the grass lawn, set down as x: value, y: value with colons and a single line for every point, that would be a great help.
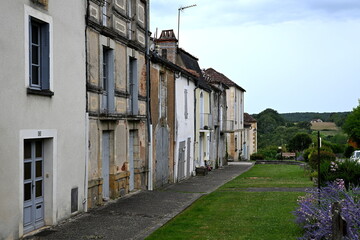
x: 230, y: 214
x: 271, y: 175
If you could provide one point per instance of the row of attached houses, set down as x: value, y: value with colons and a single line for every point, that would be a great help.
x: 90, y: 113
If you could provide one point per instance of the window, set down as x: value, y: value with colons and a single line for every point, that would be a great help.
x: 164, y: 53
x: 186, y: 103
x: 39, y: 55
x: 108, y: 80
x: 134, y: 86
x: 105, y: 77
x: 162, y: 95
x: 104, y: 14
x: 130, y: 15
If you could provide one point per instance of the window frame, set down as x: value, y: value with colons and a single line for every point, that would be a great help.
x: 44, y: 85
x: 107, y: 80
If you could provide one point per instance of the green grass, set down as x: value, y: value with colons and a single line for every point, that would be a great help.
x: 242, y: 215
x: 271, y: 176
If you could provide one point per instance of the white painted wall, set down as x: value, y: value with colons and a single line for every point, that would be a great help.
x: 184, y: 127
x: 59, y: 119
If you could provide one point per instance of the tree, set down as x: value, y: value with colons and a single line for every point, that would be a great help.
x: 300, y: 142
x: 268, y: 120
x: 305, y: 125
x: 352, y: 125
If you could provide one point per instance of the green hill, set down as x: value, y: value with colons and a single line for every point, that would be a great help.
x: 337, y: 117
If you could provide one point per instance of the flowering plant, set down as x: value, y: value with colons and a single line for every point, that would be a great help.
x: 314, y: 211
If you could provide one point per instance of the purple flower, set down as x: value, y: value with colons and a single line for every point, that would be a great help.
x: 314, y: 211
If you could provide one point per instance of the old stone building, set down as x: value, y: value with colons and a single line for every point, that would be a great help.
x: 250, y: 125
x: 234, y: 125
x: 202, y: 119
x: 219, y: 116
x: 172, y: 110
x: 116, y: 98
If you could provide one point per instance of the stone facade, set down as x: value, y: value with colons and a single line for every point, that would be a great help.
x: 116, y: 98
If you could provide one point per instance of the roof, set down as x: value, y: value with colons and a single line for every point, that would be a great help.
x: 248, y: 118
x: 167, y: 35
x: 158, y: 59
x: 216, y: 76
x: 191, y: 63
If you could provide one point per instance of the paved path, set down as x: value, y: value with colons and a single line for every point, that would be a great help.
x: 137, y: 215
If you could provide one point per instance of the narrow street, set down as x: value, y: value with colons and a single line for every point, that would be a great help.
x: 139, y: 214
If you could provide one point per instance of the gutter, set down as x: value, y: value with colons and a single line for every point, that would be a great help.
x: 148, y: 110
x: 86, y: 182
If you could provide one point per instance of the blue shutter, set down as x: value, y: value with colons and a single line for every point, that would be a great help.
x: 45, y: 57
x: 30, y: 52
x: 111, y: 81
x: 135, y: 86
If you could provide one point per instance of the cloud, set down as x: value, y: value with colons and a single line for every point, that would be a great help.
x: 242, y: 12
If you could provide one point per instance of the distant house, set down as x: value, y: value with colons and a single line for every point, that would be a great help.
x: 234, y: 125
x: 202, y: 119
x: 181, y: 107
x: 316, y: 120
x: 219, y: 113
x: 250, y: 125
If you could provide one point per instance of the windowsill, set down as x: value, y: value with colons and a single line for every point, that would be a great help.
x: 40, y: 92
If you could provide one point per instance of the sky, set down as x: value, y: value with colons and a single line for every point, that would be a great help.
x: 289, y: 55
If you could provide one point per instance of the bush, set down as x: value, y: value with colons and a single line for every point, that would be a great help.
x: 349, y: 171
x: 306, y: 154
x: 269, y: 152
x: 348, y: 151
x: 338, y: 148
x: 325, y: 156
x: 256, y: 156
x: 314, y: 211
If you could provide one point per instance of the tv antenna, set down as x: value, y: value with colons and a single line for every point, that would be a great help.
x: 180, y: 10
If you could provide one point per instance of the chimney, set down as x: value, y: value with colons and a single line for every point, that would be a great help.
x: 167, y: 45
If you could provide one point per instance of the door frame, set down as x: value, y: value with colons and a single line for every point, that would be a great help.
x: 35, y: 202
x: 49, y: 137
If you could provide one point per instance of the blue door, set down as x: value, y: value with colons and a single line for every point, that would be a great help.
x: 33, y: 185
x: 106, y: 164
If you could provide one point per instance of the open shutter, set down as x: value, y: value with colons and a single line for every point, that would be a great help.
x: 135, y: 86
x: 45, y: 57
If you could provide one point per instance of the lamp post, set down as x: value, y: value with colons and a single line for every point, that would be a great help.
x: 318, y: 159
x: 182, y: 9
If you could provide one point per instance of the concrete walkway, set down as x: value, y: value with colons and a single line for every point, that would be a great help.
x: 137, y: 215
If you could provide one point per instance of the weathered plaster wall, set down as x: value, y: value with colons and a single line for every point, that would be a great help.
x: 58, y: 120
x: 169, y: 119
x: 184, y: 126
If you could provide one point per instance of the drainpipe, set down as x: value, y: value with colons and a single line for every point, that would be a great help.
x: 148, y: 110
x: 85, y: 205
x: 195, y: 133
x: 175, y: 177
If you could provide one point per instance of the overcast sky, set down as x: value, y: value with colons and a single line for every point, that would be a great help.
x: 289, y: 55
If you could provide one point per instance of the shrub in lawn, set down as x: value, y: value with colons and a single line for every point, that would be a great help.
x: 256, y: 156
x: 348, y: 170
x: 314, y: 211
x: 307, y: 153
x: 348, y: 151
x: 269, y: 152
x: 325, y: 156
